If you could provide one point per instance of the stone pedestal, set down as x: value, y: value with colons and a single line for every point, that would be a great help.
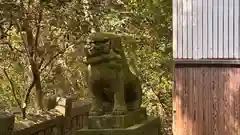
x: 6, y: 123
x: 121, y: 121
x: 133, y: 123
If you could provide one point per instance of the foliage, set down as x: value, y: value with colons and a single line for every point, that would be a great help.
x: 42, y: 42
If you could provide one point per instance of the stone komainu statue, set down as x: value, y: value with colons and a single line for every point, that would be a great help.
x: 109, y: 77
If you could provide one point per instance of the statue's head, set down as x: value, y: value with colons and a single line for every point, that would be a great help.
x: 98, y: 44
x: 101, y: 43
x: 102, y: 47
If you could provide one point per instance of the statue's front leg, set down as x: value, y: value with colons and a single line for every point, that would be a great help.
x: 136, y: 99
x: 97, y: 105
x: 117, y: 86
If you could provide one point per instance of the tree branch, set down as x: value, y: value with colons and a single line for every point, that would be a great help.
x: 44, y: 77
x: 11, y: 47
x: 40, y: 63
x: 12, y: 88
x: 22, y: 37
x: 52, y: 58
x: 38, y: 30
x: 4, y: 34
x: 28, y: 93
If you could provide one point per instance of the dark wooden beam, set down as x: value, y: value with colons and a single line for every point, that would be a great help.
x: 207, y: 63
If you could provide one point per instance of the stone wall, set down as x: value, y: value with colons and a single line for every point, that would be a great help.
x: 67, y: 117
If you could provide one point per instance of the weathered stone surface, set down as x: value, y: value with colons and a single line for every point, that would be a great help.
x: 6, y: 123
x: 109, y: 78
x: 117, y: 121
x: 80, y: 107
x: 150, y: 126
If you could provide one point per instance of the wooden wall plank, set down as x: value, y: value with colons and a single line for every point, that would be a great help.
x: 227, y: 103
x: 237, y: 101
x: 229, y: 95
x: 224, y: 101
x: 185, y: 101
x: 221, y: 100
x: 204, y: 101
x: 214, y: 97
x: 206, y: 88
x: 180, y: 29
x: 181, y: 102
x: 195, y: 96
x: 190, y: 97
x: 233, y: 99
x: 210, y: 101
x: 200, y: 101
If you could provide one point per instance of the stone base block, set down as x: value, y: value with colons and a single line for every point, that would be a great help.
x: 122, y: 121
x: 150, y: 126
x: 6, y: 123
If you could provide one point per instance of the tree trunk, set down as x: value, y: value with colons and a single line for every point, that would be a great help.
x: 38, y: 86
x: 23, y: 112
x: 39, y: 94
x: 32, y: 51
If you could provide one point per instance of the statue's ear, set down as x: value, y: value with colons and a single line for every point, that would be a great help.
x: 116, y: 45
x: 108, y: 42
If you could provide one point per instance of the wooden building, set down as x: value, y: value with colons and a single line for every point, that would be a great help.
x: 206, y: 95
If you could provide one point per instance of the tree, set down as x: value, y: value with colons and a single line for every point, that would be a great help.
x: 30, y: 37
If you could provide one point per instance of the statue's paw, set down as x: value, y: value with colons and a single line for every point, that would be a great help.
x: 133, y: 106
x: 119, y: 111
x: 96, y: 112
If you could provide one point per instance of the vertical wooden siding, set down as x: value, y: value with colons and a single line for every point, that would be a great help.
x: 207, y: 101
x: 206, y: 29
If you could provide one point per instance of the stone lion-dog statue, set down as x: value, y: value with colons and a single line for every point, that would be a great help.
x: 109, y: 78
